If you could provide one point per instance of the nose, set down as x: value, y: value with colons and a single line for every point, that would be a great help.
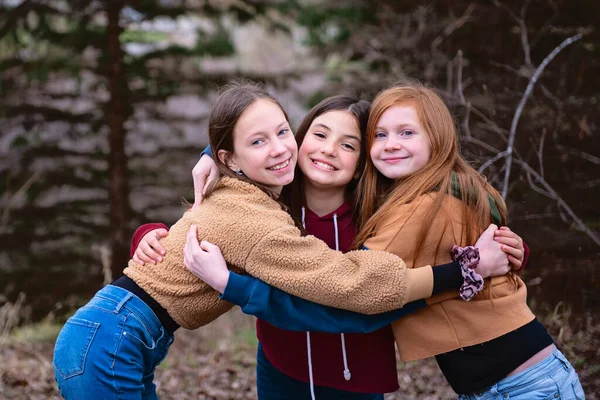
x: 278, y: 148
x: 329, y: 148
x: 392, y: 144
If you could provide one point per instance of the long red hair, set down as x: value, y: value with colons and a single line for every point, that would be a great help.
x: 447, y: 172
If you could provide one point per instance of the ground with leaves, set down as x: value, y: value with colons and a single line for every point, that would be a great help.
x: 217, y: 362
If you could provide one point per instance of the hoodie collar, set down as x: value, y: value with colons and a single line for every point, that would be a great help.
x: 342, y: 212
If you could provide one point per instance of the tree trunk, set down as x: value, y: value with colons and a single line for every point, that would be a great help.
x: 116, y: 114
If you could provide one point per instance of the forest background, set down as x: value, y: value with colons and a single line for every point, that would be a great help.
x: 103, y: 113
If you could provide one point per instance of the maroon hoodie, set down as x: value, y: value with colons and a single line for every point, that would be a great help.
x: 371, y: 358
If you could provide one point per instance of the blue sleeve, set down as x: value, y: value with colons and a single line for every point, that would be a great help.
x: 207, y: 151
x: 287, y: 311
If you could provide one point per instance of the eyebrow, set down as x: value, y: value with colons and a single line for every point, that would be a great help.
x: 346, y: 135
x: 396, y: 126
x: 263, y: 132
x: 322, y: 125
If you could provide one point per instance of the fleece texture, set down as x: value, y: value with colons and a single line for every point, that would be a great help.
x: 258, y: 237
x: 449, y: 323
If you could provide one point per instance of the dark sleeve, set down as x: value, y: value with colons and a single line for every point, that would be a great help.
x: 207, y: 151
x: 140, y: 232
x: 286, y: 311
x: 447, y: 277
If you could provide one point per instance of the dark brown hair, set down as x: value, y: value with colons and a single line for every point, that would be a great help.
x: 234, y: 98
x: 293, y: 194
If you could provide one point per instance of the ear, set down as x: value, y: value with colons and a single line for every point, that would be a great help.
x: 227, y: 158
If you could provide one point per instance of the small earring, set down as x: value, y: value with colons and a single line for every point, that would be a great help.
x: 238, y: 171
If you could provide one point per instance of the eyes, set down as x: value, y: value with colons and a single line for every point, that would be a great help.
x: 404, y: 133
x: 346, y: 145
x: 281, y: 132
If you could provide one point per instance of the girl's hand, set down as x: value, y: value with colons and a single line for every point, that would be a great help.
x: 149, y: 249
x: 492, y: 260
x: 205, y: 261
x: 512, y: 245
x: 204, y: 173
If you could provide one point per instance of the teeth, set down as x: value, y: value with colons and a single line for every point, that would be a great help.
x: 280, y: 166
x: 327, y: 166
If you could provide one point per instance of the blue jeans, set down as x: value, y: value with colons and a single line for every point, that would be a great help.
x: 552, y: 378
x: 272, y: 384
x: 110, y: 348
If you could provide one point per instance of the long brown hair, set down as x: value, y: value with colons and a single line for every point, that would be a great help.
x: 293, y: 194
x: 447, y: 172
x: 234, y: 98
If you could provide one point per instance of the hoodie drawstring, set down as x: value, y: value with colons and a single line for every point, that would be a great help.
x: 308, y: 351
x: 347, y: 374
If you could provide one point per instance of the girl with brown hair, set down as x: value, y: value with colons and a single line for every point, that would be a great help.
x: 419, y: 198
x: 112, y: 345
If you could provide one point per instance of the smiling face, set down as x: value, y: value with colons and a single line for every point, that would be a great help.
x: 401, y: 146
x: 330, y: 150
x: 264, y: 146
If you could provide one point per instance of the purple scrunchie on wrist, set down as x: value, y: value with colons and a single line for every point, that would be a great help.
x: 468, y: 258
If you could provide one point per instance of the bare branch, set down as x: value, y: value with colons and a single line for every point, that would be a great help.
x: 491, y: 161
x: 536, y: 188
x: 449, y: 76
x: 540, y: 152
x: 453, y: 26
x: 459, y: 81
x: 579, y: 224
x: 11, y: 199
x: 579, y: 153
x: 524, y: 39
x: 513, y: 128
x: 535, y: 216
x: 480, y: 143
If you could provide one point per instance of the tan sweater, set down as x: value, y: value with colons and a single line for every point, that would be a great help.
x: 257, y: 237
x: 449, y: 323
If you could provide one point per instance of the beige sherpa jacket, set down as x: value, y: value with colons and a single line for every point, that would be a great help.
x: 449, y: 323
x: 257, y: 237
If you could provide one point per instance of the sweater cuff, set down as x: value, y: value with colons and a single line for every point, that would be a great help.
x: 238, y: 290
x: 447, y: 277
x: 141, y: 232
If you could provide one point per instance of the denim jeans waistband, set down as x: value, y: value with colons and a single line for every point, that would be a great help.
x: 119, y: 299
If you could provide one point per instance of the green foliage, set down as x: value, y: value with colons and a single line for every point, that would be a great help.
x: 334, y: 24
x: 141, y: 36
x: 217, y: 45
x: 34, y: 333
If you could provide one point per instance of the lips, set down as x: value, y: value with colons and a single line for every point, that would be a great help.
x: 280, y: 166
x: 323, y: 165
x: 393, y: 159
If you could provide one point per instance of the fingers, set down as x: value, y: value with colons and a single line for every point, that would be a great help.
x: 515, y: 262
x: 148, y: 252
x: 512, y: 251
x: 489, y: 232
x: 505, y: 232
x: 209, y: 247
x: 198, y: 192
x: 214, y: 174
x: 192, y: 239
x: 137, y: 260
x: 509, y: 242
x: 204, y: 173
x: 139, y: 253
